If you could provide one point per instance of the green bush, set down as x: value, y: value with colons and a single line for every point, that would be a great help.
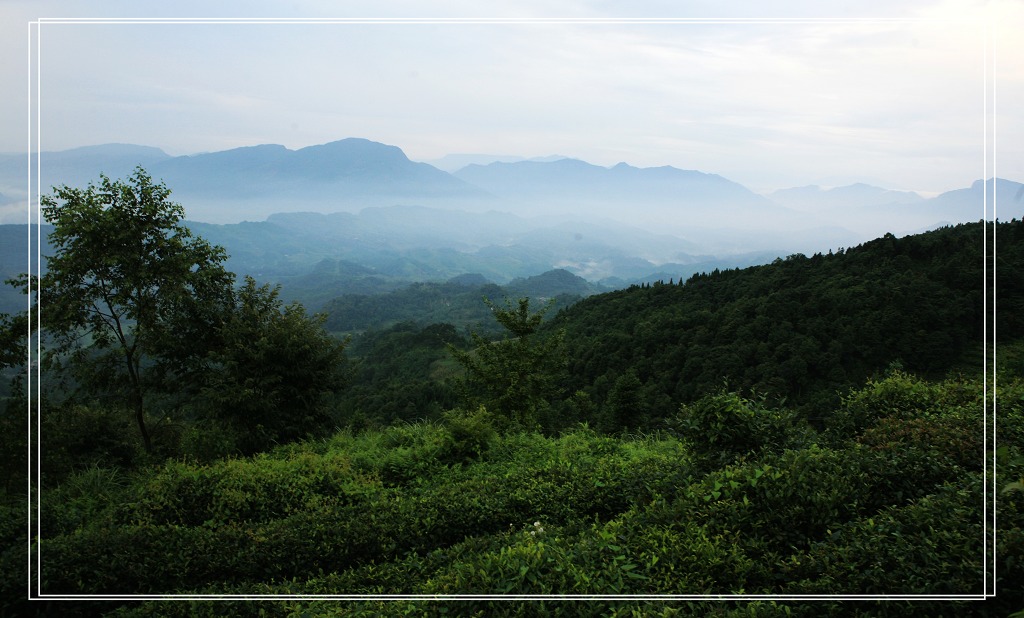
x: 13, y: 567
x: 82, y: 499
x: 900, y: 550
x: 404, y: 511
x: 295, y: 512
x: 204, y: 442
x: 404, y: 453
x: 245, y: 490
x: 472, y: 433
x: 899, y: 395
x: 76, y: 437
x: 611, y: 558
x: 1009, y: 408
x: 954, y: 439
x: 724, y: 426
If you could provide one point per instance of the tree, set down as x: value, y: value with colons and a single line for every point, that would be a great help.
x: 130, y: 297
x: 517, y: 376
x: 135, y: 309
x: 625, y: 408
x: 272, y: 379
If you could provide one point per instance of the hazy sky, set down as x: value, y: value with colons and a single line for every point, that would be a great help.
x: 770, y: 104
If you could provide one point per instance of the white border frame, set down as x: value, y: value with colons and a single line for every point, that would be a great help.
x: 33, y: 184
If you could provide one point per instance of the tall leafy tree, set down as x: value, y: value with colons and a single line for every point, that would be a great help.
x: 272, y: 379
x: 138, y: 312
x: 131, y: 299
x: 517, y: 376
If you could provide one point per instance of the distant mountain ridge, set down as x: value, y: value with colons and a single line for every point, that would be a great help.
x: 854, y: 195
x: 454, y: 162
x: 576, y: 177
x: 666, y: 197
x: 359, y: 164
x: 253, y: 182
x: 716, y: 215
x: 873, y: 211
x: 341, y: 175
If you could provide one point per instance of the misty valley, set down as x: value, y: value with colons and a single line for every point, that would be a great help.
x: 442, y: 389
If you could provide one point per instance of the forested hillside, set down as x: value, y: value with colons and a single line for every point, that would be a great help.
x: 458, y: 302
x: 817, y: 426
x: 803, y: 328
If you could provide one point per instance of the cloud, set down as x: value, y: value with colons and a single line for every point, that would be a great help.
x: 753, y: 101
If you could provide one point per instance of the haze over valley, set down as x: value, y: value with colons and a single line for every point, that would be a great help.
x: 355, y: 215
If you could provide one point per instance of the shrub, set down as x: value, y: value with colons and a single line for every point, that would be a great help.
x: 76, y: 437
x: 899, y: 395
x: 82, y: 499
x: 955, y: 439
x: 204, y: 442
x: 472, y: 433
x: 724, y: 426
x: 900, y: 550
x: 245, y: 490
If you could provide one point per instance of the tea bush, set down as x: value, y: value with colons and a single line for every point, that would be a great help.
x: 894, y: 508
x: 901, y: 396
x: 472, y: 433
x: 860, y: 556
x: 720, y: 428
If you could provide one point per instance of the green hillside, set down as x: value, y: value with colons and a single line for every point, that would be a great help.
x: 458, y: 302
x: 799, y: 331
x: 816, y: 426
x: 888, y: 501
x: 802, y: 328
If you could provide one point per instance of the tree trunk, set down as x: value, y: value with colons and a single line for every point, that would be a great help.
x: 141, y: 420
x: 137, y: 399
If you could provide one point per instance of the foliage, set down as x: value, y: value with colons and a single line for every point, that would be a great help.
x: 803, y: 328
x: 899, y: 396
x: 452, y: 302
x: 410, y: 510
x: 721, y: 427
x: 730, y: 494
x: 472, y: 432
x: 79, y: 436
x: 302, y: 511
x: 272, y: 379
x: 142, y: 318
x: 130, y: 293
x: 403, y: 373
x: 518, y: 376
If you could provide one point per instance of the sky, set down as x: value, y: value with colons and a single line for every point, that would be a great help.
x: 899, y: 94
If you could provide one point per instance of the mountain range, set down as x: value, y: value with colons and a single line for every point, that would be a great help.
x: 252, y: 183
x: 349, y: 175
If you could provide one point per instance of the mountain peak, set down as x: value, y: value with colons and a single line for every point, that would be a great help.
x: 356, y: 147
x: 118, y: 150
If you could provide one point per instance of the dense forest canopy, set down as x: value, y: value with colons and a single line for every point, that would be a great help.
x: 820, y: 425
x: 802, y: 328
